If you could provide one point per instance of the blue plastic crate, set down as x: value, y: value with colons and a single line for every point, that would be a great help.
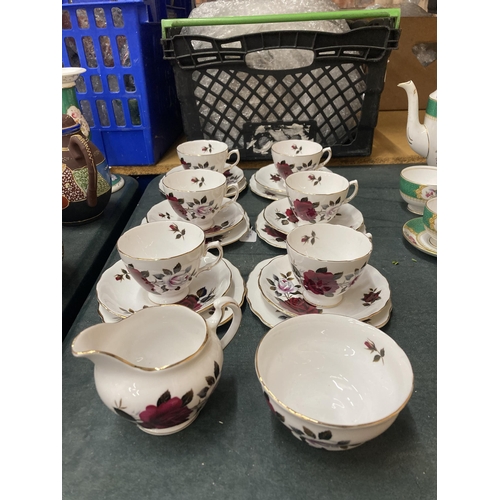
x: 128, y: 93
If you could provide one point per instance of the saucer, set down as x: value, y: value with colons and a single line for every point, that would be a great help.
x: 269, y: 179
x: 237, y: 290
x: 121, y: 296
x: 260, y: 191
x: 415, y: 233
x: 275, y: 215
x: 227, y: 218
x: 234, y: 174
x: 271, y: 316
x: 233, y: 234
x: 277, y: 238
x: 365, y: 298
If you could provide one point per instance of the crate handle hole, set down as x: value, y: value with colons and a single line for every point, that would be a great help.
x: 283, y: 59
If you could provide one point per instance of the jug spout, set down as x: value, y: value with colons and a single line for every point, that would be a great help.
x: 416, y: 132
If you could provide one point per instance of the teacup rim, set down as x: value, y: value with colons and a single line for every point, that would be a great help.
x: 310, y: 142
x: 367, y: 254
x: 324, y: 193
x: 143, y: 259
x: 199, y: 141
x: 182, y: 172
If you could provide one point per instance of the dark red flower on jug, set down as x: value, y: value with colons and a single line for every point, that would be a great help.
x: 299, y: 306
x: 321, y: 283
x: 305, y: 210
x: 284, y: 169
x: 168, y: 414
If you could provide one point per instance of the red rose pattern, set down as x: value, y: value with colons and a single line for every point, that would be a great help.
x: 284, y: 169
x: 168, y: 414
x: 176, y: 205
x: 298, y: 305
x: 305, y: 210
x: 321, y: 283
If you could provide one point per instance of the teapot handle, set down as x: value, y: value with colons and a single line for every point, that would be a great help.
x: 213, y: 322
x: 79, y: 148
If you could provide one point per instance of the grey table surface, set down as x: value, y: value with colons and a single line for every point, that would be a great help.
x: 87, y: 247
x: 236, y: 448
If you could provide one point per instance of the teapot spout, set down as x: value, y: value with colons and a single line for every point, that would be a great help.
x: 416, y: 132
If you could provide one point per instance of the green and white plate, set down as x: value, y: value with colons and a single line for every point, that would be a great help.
x: 415, y: 234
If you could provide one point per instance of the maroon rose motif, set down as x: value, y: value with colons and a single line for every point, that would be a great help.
x: 370, y: 297
x: 167, y: 414
x: 274, y: 233
x: 320, y: 283
x: 284, y: 169
x: 291, y: 216
x: 190, y: 301
x: 305, y: 210
x: 176, y: 205
x: 299, y: 306
x: 275, y: 177
x: 185, y: 164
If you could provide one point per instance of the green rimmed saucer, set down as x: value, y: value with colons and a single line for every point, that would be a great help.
x: 415, y: 234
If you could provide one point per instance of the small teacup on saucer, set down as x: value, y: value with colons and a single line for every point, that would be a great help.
x: 327, y: 260
x: 296, y: 155
x: 417, y: 184
x: 164, y: 257
x: 317, y: 196
x: 198, y: 195
x: 429, y: 218
x: 209, y: 155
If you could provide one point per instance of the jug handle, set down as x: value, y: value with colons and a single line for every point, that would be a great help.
x: 213, y: 322
x: 79, y: 147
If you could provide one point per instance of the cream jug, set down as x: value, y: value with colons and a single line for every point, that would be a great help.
x: 422, y: 137
x: 158, y: 367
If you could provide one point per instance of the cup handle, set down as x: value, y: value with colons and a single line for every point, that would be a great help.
x: 234, y: 152
x: 209, y: 246
x: 369, y: 236
x: 354, y: 184
x: 213, y: 322
x: 327, y: 150
x: 232, y: 189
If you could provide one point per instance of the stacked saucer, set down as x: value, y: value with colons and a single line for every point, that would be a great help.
x: 119, y: 296
x: 267, y: 183
x: 229, y: 224
x: 234, y: 174
x: 368, y: 300
x: 277, y: 220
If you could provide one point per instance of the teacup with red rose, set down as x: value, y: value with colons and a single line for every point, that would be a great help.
x: 163, y: 257
x: 198, y: 195
x: 292, y: 156
x: 327, y: 259
x: 317, y: 196
x: 208, y: 155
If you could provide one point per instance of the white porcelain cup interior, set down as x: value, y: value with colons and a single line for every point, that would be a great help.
x: 327, y: 259
x: 329, y: 374
x: 207, y: 154
x: 296, y: 155
x: 163, y: 257
x: 198, y: 195
x: 317, y: 196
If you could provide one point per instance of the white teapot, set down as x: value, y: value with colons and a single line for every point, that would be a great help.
x: 422, y: 138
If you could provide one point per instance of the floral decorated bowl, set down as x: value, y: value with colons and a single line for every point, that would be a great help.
x: 418, y: 184
x: 333, y: 381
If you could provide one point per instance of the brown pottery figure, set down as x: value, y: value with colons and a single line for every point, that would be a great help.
x: 86, y: 182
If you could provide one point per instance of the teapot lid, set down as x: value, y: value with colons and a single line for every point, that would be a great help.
x: 69, y: 125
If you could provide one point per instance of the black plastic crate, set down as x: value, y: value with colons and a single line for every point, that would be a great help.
x: 333, y: 101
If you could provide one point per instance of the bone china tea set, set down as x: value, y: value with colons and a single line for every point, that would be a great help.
x: 157, y: 354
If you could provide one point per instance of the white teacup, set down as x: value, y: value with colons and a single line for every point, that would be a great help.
x: 297, y: 155
x: 317, y: 196
x: 327, y: 259
x: 197, y: 196
x: 429, y: 218
x: 209, y: 155
x: 163, y: 257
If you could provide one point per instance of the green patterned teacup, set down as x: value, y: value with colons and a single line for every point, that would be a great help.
x: 430, y: 220
x: 418, y: 184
